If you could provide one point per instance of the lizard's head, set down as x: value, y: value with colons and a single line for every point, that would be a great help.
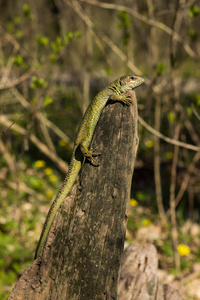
x: 129, y: 82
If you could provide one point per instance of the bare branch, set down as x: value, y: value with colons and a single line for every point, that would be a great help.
x: 3, y: 132
x: 17, y: 81
x: 197, y: 115
x: 41, y: 146
x: 167, y: 139
x: 146, y: 20
x: 76, y: 6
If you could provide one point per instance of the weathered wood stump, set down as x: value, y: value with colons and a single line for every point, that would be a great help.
x: 82, y: 256
x: 138, y: 277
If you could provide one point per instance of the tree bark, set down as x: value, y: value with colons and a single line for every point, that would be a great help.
x: 81, y: 259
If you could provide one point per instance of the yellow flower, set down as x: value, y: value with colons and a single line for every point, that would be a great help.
x: 149, y: 144
x: 62, y: 143
x: 133, y: 202
x: 48, y: 171
x: 40, y: 163
x: 146, y: 222
x: 169, y: 155
x: 49, y: 193
x: 183, y: 249
x: 52, y: 178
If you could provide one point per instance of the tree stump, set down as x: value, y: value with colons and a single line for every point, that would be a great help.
x: 138, y: 277
x: 81, y: 259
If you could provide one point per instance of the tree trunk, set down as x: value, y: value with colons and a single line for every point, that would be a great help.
x: 81, y: 259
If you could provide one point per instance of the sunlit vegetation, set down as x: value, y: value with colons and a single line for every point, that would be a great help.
x: 55, y: 56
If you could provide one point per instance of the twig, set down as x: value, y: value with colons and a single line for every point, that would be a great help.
x: 17, y: 81
x: 4, y: 131
x: 13, y: 41
x: 45, y: 132
x: 24, y: 188
x: 177, y: 134
x: 192, y: 130
x: 146, y: 20
x: 157, y: 176
x: 57, y: 131
x: 185, y: 180
x: 47, y: 122
x: 167, y: 139
x: 8, y: 67
x: 172, y: 203
x: 119, y: 53
x: 195, y: 112
x: 76, y: 6
x: 42, y: 147
x: 186, y: 280
x: 8, y: 158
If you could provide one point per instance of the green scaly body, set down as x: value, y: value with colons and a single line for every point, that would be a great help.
x: 115, y: 91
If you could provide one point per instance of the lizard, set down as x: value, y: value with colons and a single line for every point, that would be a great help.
x: 116, y: 91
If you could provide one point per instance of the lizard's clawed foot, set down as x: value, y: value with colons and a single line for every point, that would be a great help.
x: 126, y: 99
x: 89, y: 155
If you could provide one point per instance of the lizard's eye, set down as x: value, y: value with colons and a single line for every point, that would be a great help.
x: 132, y: 77
x: 120, y: 83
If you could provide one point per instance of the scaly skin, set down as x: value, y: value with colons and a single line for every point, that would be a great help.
x: 116, y: 92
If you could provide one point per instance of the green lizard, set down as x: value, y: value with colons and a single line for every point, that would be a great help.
x: 116, y: 92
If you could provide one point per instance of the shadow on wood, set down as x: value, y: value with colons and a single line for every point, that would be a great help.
x: 81, y: 259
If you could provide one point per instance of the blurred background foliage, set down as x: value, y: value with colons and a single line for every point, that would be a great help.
x: 55, y: 55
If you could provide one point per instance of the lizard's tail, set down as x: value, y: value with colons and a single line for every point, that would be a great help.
x: 73, y: 171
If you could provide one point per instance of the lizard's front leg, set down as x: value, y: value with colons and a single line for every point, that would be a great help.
x: 89, y: 153
x: 125, y: 98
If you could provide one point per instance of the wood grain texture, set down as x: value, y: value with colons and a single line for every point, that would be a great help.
x: 139, y: 279
x: 82, y: 256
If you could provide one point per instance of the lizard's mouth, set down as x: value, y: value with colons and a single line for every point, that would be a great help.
x: 135, y: 81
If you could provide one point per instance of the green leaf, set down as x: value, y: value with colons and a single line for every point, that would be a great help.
x: 125, y: 22
x: 193, y: 11
x: 57, y: 45
x: 160, y: 68
x: 35, y: 183
x: 38, y: 83
x: 42, y: 40
x: 167, y: 248
x: 17, y: 20
x: 171, y: 117
x: 10, y: 27
x: 197, y: 100
x: 141, y: 196
x: 19, y: 34
x: 47, y: 100
x: 53, y: 57
x: 108, y: 71
x: 37, y: 65
x: 189, y: 111
x: 69, y: 35
x: 27, y: 11
x: 18, y: 60
x: 77, y: 34
x: 192, y: 33
x: 124, y: 18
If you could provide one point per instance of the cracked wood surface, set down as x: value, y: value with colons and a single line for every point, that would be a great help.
x: 138, y: 276
x: 82, y: 256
